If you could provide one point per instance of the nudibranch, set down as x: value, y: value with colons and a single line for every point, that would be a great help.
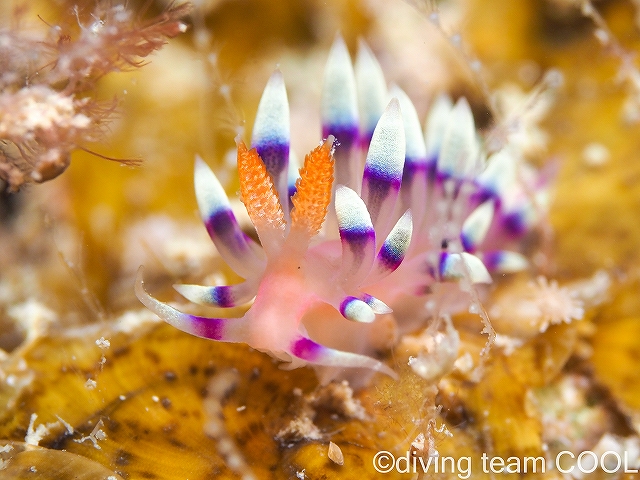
x: 425, y: 213
x: 290, y: 273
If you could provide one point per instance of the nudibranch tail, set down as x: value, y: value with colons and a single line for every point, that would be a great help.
x: 260, y: 199
x: 271, y: 134
x: 221, y: 296
x: 233, y: 330
x: 313, y: 190
x: 317, y: 354
x: 237, y: 249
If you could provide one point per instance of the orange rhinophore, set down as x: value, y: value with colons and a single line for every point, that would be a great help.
x: 313, y: 189
x: 260, y: 198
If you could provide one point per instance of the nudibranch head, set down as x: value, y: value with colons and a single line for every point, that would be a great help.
x: 345, y: 241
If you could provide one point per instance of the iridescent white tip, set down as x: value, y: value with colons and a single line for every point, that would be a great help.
x: 339, y: 105
x: 357, y: 235
x: 416, y: 150
x: 356, y: 310
x: 272, y: 124
x: 458, y: 266
x: 505, y: 262
x: 383, y: 169
x: 436, y: 124
x: 393, y: 249
x: 272, y: 132
x: 476, y: 226
x: 372, y: 89
x: 500, y: 173
x: 458, y: 156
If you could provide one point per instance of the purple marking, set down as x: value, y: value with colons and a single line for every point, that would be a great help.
x: 482, y: 194
x: 368, y: 299
x: 413, y: 167
x: 442, y: 264
x: 223, y: 296
x: 492, y: 260
x: 390, y: 257
x: 212, y: 328
x: 379, y: 187
x: 222, y: 224
x: 358, y: 237
x: 275, y: 157
x: 365, y: 139
x: 381, y: 179
x: 345, y: 303
x: 432, y: 167
x: 306, y: 349
x: 467, y: 244
x: 515, y: 223
x: 292, y: 191
x: 346, y: 136
x: 357, y: 240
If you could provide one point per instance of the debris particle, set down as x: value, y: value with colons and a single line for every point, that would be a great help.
x: 300, y: 474
x: 419, y: 443
x: 102, y: 343
x: 6, y: 449
x: 122, y: 398
x: 300, y: 428
x: 67, y: 425
x: 95, y: 436
x: 35, y: 435
x: 241, y: 409
x: 335, y: 454
x: 90, y: 384
x: 338, y: 398
x: 155, y: 398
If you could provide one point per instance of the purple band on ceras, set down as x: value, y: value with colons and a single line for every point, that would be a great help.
x: 211, y: 328
x: 306, y: 349
x: 223, y: 227
x: 272, y: 134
